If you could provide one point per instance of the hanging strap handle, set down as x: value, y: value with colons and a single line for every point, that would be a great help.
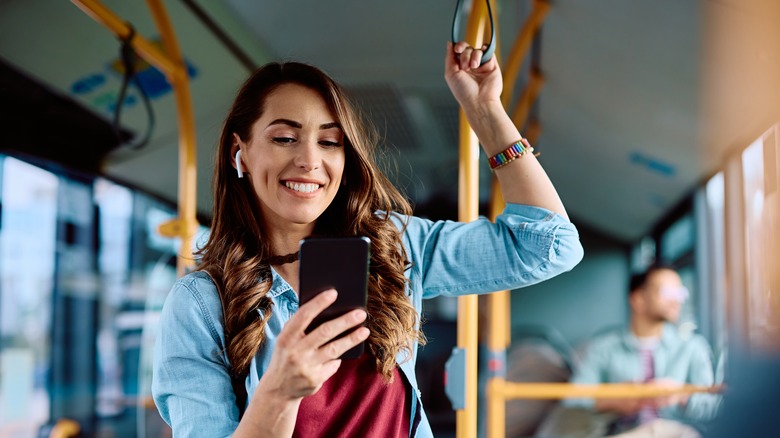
x: 491, y: 47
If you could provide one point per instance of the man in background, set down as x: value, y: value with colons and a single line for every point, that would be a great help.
x: 649, y: 350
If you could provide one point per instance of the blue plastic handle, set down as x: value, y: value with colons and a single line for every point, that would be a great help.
x: 488, y: 53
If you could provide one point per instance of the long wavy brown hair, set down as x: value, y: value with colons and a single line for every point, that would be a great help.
x: 237, y: 246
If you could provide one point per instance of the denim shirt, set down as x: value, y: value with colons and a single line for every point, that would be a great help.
x: 191, y: 385
x: 614, y: 357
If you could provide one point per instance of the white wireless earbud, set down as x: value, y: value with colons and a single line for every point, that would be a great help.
x: 238, y: 164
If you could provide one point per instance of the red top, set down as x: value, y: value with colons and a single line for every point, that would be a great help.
x: 356, y: 402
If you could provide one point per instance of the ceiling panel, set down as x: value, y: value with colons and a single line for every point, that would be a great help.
x: 620, y: 109
x: 57, y: 43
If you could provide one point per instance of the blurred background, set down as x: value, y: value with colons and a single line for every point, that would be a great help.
x: 657, y: 121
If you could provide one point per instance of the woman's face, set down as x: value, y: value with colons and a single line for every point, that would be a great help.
x: 295, y: 159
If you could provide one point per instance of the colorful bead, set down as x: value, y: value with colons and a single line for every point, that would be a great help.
x: 513, y: 152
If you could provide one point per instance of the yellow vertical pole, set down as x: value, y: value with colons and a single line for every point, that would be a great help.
x: 520, y: 47
x: 533, y: 131
x: 171, y: 64
x: 496, y: 400
x: 530, y: 94
x: 188, y: 169
x: 497, y: 340
x: 468, y: 210
x: 499, y: 324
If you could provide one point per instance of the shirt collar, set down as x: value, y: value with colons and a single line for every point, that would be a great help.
x: 278, y: 285
x: 669, y: 337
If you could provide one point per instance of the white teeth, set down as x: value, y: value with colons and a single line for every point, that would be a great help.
x: 303, y: 188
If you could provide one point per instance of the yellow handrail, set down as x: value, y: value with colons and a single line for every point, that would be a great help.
x: 533, y: 130
x: 186, y: 225
x: 468, y: 210
x: 172, y: 65
x: 65, y: 428
x: 530, y: 94
x: 498, y: 341
x: 499, y: 337
x: 145, y: 49
x: 520, y: 48
x: 604, y: 390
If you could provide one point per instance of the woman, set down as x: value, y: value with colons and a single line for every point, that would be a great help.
x: 293, y: 161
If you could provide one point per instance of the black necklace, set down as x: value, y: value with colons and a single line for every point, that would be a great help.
x: 280, y: 260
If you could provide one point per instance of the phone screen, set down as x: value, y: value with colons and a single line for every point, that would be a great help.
x: 339, y: 263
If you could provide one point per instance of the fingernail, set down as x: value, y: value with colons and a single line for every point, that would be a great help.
x: 363, y: 332
x: 332, y: 294
x: 360, y: 315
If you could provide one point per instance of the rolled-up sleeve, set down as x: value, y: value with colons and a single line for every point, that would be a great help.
x: 190, y: 384
x: 524, y: 246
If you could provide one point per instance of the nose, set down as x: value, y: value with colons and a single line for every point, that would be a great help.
x: 308, y: 156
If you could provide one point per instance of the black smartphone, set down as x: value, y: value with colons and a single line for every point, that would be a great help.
x: 339, y: 263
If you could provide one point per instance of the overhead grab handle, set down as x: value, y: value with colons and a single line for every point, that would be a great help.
x: 491, y: 46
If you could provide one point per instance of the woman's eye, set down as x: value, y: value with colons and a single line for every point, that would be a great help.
x: 283, y: 140
x: 330, y: 143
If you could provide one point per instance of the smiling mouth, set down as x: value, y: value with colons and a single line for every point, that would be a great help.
x: 302, y: 187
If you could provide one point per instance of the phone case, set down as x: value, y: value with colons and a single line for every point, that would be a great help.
x: 340, y: 263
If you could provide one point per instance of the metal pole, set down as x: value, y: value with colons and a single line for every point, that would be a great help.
x: 468, y: 210
x: 171, y: 64
x: 499, y: 324
x: 520, y: 48
x: 187, y: 224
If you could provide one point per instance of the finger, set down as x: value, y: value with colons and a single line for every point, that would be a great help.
x: 450, y: 60
x: 460, y: 46
x: 488, y: 66
x: 306, y: 313
x: 335, y: 349
x: 476, y: 58
x: 333, y: 328
x: 465, y: 58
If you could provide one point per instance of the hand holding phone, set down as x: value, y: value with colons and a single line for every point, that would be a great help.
x: 299, y: 364
x: 339, y: 263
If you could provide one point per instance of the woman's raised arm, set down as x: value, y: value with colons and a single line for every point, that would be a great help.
x: 478, y: 91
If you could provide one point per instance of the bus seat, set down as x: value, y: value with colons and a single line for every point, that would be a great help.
x: 537, y: 354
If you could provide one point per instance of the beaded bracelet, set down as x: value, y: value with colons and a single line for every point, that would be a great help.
x: 513, y: 152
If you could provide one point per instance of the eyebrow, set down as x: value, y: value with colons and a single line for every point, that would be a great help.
x: 295, y: 124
